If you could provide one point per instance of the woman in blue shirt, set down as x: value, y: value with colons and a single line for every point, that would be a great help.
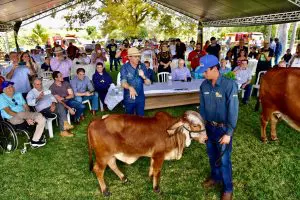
x: 101, y: 80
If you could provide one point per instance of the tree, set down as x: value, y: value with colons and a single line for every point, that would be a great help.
x: 39, y: 34
x: 126, y: 16
x: 92, y: 32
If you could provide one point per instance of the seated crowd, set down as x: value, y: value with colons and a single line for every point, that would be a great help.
x: 23, y: 88
x: 24, y: 98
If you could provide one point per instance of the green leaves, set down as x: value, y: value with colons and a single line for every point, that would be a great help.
x: 130, y: 19
x: 230, y: 75
x: 39, y: 34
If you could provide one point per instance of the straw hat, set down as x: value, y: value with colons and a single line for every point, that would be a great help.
x: 58, y: 50
x: 133, y: 52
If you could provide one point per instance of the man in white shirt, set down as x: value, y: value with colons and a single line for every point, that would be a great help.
x: 45, y: 103
x: 243, y: 79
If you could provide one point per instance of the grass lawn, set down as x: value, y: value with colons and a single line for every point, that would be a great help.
x: 60, y: 169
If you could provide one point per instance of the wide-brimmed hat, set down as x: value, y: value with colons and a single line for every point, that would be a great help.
x: 58, y: 50
x: 133, y: 52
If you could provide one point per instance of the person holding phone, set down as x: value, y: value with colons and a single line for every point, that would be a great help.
x: 19, y: 74
x: 98, y: 55
x: 46, y: 104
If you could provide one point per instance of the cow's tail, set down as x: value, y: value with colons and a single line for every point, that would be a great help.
x: 90, y: 149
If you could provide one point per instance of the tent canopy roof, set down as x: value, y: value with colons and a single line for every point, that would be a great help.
x: 18, y: 10
x: 224, y: 11
x: 210, y: 12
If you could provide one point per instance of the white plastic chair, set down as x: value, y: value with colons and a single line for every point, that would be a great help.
x: 49, y: 125
x: 257, y: 84
x: 47, y: 75
x: 87, y: 102
x: 162, y: 76
x: 119, y: 79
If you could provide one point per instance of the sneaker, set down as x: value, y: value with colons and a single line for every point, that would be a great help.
x: 37, y: 143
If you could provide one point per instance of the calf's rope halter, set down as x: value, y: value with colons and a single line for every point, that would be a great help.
x: 197, y: 133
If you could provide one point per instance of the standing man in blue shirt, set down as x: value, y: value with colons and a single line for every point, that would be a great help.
x: 219, y: 108
x: 278, y: 50
x: 133, y: 76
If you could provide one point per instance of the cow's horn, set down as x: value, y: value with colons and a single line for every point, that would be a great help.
x: 172, y: 129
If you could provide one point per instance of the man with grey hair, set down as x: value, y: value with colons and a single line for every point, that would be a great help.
x: 14, y: 108
x: 45, y: 103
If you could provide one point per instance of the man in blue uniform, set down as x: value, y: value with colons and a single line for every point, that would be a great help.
x: 219, y: 108
x: 133, y: 76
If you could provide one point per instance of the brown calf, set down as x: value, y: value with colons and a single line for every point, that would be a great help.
x: 128, y: 137
x: 279, y: 95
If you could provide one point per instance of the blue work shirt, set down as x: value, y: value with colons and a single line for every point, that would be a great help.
x: 81, y: 86
x: 131, y: 76
x: 220, y: 103
x: 15, y: 104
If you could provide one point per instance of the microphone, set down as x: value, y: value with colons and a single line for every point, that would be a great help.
x: 139, y: 65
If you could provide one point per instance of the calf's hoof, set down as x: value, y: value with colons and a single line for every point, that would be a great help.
x: 156, y: 189
x: 124, y: 179
x: 264, y: 140
x: 274, y: 138
x: 106, y: 193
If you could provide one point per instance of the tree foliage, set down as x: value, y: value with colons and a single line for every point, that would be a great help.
x: 92, y: 32
x: 127, y: 15
x: 131, y: 19
x: 39, y: 34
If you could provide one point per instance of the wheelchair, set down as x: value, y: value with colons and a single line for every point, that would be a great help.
x: 12, y: 136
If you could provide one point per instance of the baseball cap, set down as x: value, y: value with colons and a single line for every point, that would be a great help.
x: 206, y: 62
x: 5, y: 84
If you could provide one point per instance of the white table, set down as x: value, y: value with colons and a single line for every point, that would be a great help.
x: 161, y: 95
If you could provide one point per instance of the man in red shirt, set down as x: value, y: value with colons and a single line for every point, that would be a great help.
x: 194, y: 56
x: 123, y: 53
x: 72, y: 51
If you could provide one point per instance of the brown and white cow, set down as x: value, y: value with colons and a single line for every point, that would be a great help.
x: 279, y: 95
x: 128, y: 137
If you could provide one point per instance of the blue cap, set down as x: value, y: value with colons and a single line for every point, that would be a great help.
x: 206, y: 62
x: 5, y: 84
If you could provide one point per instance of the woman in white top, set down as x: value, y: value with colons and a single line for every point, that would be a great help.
x: 148, y: 54
x: 295, y: 60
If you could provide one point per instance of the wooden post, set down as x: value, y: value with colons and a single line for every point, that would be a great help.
x: 200, y: 34
x: 16, y: 31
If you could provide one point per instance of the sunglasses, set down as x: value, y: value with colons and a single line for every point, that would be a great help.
x: 15, y: 102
